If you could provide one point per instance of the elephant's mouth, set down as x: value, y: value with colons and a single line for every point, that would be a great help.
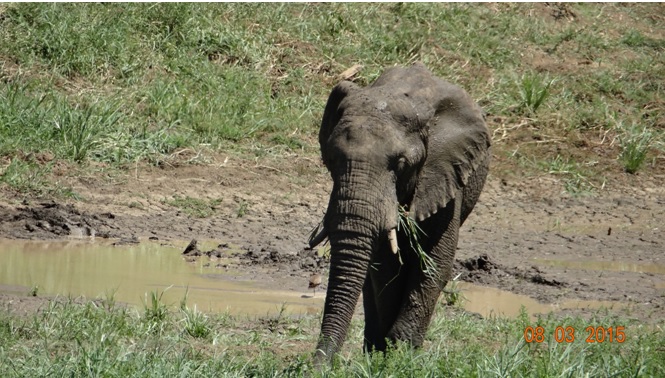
x: 320, y: 233
x: 364, y: 194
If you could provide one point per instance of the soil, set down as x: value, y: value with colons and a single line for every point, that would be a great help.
x: 526, y: 235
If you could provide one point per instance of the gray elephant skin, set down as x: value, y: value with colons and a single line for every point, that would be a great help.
x: 409, y: 139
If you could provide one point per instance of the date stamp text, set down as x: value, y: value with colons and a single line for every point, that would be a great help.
x: 567, y: 334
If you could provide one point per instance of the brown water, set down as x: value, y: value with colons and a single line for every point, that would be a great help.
x: 608, y: 266
x: 131, y: 273
x: 489, y: 302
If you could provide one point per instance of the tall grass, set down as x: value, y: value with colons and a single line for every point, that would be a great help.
x: 81, y: 338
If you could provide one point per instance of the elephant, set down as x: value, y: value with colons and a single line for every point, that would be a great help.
x: 410, y: 143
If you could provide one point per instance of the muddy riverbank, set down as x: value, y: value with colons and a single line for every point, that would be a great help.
x: 526, y: 237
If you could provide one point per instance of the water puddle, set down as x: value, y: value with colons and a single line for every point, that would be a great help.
x: 129, y: 273
x: 609, y: 266
x: 489, y: 302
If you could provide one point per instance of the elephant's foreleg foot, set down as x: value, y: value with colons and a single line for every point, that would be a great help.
x: 374, y: 338
x: 411, y: 331
x: 376, y: 345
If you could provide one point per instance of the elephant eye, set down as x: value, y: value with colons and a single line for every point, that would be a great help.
x: 400, y: 164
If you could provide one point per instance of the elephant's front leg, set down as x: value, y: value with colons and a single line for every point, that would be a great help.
x: 382, y: 297
x: 374, y: 334
x: 423, y: 289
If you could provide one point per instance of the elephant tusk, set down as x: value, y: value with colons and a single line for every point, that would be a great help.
x: 315, y: 240
x: 392, y: 238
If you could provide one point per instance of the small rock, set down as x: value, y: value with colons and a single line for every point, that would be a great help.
x: 127, y: 240
x: 44, y: 225
x: 308, y: 262
x: 192, y: 249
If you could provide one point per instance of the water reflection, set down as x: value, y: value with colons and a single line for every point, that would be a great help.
x: 97, y: 270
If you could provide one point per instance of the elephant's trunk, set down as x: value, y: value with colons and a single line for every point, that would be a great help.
x: 355, y: 220
x: 349, y: 260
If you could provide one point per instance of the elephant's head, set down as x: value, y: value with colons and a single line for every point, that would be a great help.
x: 410, y: 139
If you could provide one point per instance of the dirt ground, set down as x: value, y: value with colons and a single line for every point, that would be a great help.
x: 525, y: 236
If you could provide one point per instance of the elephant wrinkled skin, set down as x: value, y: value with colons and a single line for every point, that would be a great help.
x: 413, y: 140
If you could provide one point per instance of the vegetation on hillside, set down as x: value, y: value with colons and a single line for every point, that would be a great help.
x: 578, y: 84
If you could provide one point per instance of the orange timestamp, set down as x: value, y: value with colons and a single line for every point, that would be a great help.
x: 566, y: 334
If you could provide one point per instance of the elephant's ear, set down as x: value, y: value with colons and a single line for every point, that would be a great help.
x: 458, y: 142
x: 332, y: 112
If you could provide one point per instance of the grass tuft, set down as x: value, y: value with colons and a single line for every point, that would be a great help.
x: 576, y: 180
x: 80, y: 129
x: 243, y: 208
x: 195, y: 207
x: 635, y: 142
x: 452, y: 294
x: 196, y: 323
x: 534, y: 90
x: 155, y: 310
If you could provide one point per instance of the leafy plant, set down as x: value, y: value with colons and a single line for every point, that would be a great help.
x: 507, y: 363
x: 108, y: 301
x: 26, y: 177
x: 196, y: 323
x: 85, y: 339
x: 634, y: 38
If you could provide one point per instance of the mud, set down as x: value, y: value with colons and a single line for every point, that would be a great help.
x: 527, y: 236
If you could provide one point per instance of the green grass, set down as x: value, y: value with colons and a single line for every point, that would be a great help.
x: 120, y: 83
x: 195, y: 207
x: 30, y: 177
x: 414, y: 233
x: 635, y: 143
x: 452, y: 295
x: 98, y: 338
x: 575, y: 177
x: 533, y: 92
x: 243, y: 208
